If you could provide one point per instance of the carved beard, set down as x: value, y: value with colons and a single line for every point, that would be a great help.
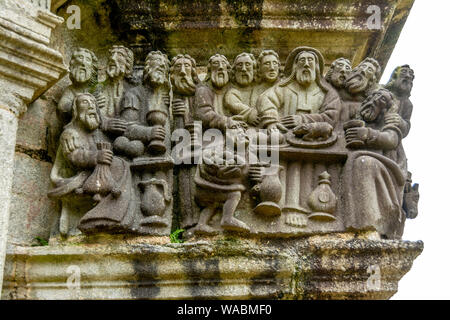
x: 244, y: 78
x: 403, y: 86
x: 338, y: 79
x: 357, y: 82
x: 219, y: 78
x: 115, y: 69
x: 156, y: 76
x: 305, y: 76
x: 183, y: 84
x: 369, y: 111
x: 81, y: 73
x: 91, y: 120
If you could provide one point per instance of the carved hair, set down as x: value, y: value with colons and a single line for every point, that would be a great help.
x: 292, y: 75
x: 129, y: 58
x: 263, y: 54
x: 151, y: 56
x: 217, y: 55
x: 243, y: 54
x: 333, y: 65
x: 193, y: 63
x: 377, y: 67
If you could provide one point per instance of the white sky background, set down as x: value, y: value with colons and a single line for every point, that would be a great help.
x: 424, y: 45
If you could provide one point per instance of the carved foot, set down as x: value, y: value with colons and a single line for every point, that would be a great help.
x: 234, y: 224
x: 202, y: 229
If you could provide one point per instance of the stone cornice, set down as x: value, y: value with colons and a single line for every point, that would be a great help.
x: 28, y: 66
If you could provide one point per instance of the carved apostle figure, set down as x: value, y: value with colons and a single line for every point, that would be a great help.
x: 138, y: 102
x: 338, y: 73
x: 303, y: 96
x: 361, y: 81
x: 240, y: 99
x: 184, y: 79
x: 400, y: 84
x: 83, y: 74
x: 268, y: 66
x: 373, y: 178
x: 209, y: 96
x: 85, y: 165
x: 119, y: 71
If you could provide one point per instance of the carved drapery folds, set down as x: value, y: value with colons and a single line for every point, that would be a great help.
x: 312, y: 151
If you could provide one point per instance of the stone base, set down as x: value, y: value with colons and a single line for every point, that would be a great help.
x: 341, y: 266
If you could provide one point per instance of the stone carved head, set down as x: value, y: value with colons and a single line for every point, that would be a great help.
x: 268, y: 65
x: 219, y: 69
x: 243, y: 69
x: 85, y: 112
x: 376, y: 104
x: 83, y: 66
x: 183, y: 74
x: 304, y: 65
x: 401, y: 81
x: 156, y: 70
x: 364, y: 77
x: 338, y: 72
x: 120, y: 62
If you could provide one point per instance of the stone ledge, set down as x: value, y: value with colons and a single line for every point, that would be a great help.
x: 311, y: 268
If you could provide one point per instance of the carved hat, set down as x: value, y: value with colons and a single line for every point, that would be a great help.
x: 291, y: 58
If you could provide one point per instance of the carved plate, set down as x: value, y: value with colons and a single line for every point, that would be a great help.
x: 298, y: 142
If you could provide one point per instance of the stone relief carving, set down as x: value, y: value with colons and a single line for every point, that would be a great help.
x: 310, y: 152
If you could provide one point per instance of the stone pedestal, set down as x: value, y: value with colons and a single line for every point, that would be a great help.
x: 342, y: 266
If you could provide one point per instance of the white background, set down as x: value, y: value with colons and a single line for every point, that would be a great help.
x: 424, y: 45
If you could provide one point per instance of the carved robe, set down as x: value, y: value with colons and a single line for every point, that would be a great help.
x: 373, y: 188
x: 321, y: 104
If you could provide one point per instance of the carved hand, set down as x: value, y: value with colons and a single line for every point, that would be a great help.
x: 253, y: 118
x: 116, y: 126
x: 179, y: 108
x: 158, y: 133
x: 357, y: 133
x: 392, y: 119
x: 101, y: 100
x: 104, y: 156
x: 290, y: 121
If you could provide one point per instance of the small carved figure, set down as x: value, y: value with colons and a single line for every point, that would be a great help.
x: 240, y: 99
x: 79, y: 150
x: 268, y: 66
x: 184, y: 79
x: 373, y: 179
x: 303, y: 96
x: 411, y: 198
x: 338, y: 73
x: 220, y: 183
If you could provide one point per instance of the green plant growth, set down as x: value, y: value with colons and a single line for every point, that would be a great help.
x: 41, y: 242
x: 175, y: 237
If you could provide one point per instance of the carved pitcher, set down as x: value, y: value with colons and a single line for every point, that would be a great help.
x: 270, y: 191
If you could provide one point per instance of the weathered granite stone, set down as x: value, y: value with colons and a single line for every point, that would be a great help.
x: 107, y: 129
x: 343, y: 266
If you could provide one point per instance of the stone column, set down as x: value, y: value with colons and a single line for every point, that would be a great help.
x: 28, y: 67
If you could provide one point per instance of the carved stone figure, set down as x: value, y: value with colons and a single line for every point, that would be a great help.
x: 373, y: 179
x: 240, y: 99
x: 268, y: 71
x: 209, y: 96
x: 184, y: 79
x: 361, y: 81
x: 83, y: 154
x: 303, y: 96
x: 83, y: 74
x: 338, y: 73
x: 119, y: 72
